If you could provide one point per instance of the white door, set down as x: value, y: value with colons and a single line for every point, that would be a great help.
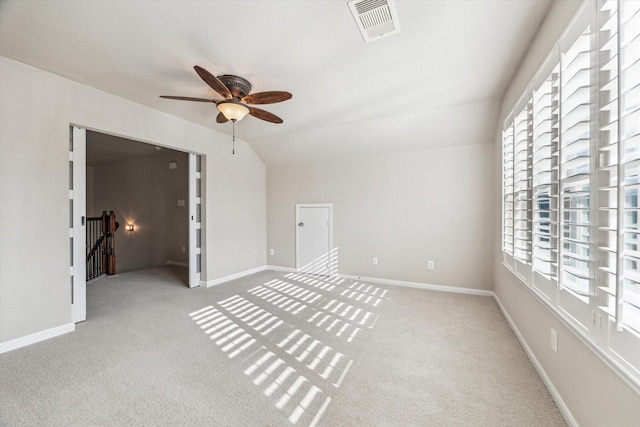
x: 314, y: 238
x: 195, y: 219
x: 78, y: 231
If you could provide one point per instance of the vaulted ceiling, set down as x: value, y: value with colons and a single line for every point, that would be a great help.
x: 436, y: 83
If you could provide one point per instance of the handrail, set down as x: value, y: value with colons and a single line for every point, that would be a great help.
x: 95, y: 247
x: 101, y: 257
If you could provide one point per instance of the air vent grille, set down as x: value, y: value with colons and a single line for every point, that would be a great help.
x: 364, y: 6
x: 375, y: 18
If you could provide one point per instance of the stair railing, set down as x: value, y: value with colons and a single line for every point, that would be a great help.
x: 101, y: 257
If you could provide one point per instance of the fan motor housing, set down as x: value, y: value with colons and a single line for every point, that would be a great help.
x: 238, y: 86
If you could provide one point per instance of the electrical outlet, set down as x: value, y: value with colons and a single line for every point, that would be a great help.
x: 184, y: 249
x: 271, y: 251
x: 430, y: 265
x: 554, y: 341
x: 375, y: 261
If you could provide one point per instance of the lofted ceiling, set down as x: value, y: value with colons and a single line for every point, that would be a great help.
x: 436, y: 83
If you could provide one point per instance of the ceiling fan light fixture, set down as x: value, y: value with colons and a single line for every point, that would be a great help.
x: 235, y: 91
x: 233, y: 111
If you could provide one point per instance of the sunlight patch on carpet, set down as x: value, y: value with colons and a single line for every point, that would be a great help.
x: 294, y: 363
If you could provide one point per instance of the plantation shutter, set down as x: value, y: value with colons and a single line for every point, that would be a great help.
x: 610, y: 228
x: 507, y: 189
x: 575, y: 178
x: 627, y: 294
x: 522, y: 190
x: 545, y: 112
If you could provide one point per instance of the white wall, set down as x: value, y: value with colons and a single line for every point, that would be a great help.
x: 593, y: 393
x: 403, y: 208
x: 36, y: 109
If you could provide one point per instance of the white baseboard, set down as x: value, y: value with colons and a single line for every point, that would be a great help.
x: 282, y: 269
x: 440, y: 288
x: 37, y: 337
x: 181, y: 264
x: 233, y: 276
x: 564, y: 409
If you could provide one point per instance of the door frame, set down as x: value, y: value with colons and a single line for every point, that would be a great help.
x: 329, y: 228
x: 195, y: 219
x: 77, y: 155
x: 78, y: 231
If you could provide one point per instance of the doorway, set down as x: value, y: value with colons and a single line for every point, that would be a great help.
x: 314, y: 239
x: 157, y: 197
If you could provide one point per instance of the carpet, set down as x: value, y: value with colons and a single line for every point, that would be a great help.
x: 275, y: 349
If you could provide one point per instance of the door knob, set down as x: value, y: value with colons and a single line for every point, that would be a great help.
x: 301, y: 224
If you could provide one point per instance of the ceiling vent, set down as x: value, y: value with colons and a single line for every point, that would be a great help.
x: 375, y: 18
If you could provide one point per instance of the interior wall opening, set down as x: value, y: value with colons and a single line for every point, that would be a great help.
x: 147, y: 188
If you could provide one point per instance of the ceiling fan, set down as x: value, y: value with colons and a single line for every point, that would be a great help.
x: 237, y: 102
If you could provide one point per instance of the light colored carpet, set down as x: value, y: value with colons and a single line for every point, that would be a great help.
x: 275, y: 349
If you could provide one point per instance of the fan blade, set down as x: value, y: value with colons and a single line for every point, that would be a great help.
x: 213, y: 81
x: 267, y: 97
x: 221, y: 118
x: 187, y: 98
x: 264, y: 115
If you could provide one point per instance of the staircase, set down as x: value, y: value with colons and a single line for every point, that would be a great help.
x: 101, y: 257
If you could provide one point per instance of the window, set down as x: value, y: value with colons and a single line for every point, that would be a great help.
x: 571, y: 180
x: 507, y: 189
x: 522, y: 186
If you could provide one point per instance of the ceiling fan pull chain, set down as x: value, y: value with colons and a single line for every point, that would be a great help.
x: 233, y: 151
